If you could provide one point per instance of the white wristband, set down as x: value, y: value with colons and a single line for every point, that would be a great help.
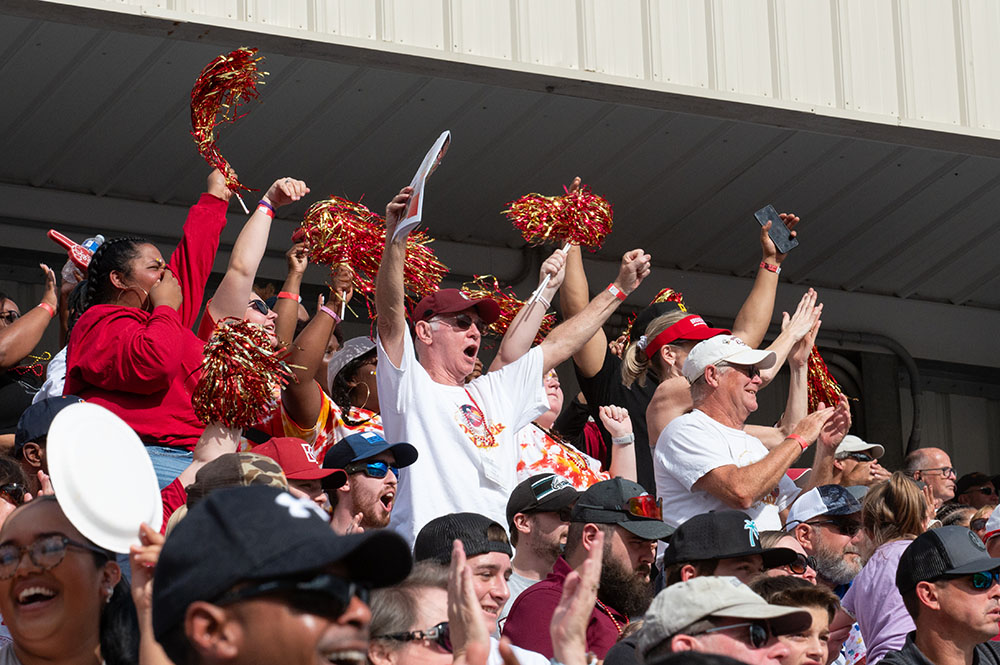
x: 623, y: 440
x: 542, y: 300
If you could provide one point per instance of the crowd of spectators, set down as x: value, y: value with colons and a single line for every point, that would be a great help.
x: 400, y: 503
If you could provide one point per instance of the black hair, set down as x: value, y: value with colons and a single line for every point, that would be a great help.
x: 74, y: 304
x: 340, y: 389
x: 177, y: 646
x: 113, y: 255
x: 11, y: 471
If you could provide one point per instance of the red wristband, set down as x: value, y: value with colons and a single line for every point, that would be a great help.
x: 770, y: 267
x: 48, y: 308
x: 291, y: 296
x: 333, y: 314
x: 799, y: 440
x: 616, y: 292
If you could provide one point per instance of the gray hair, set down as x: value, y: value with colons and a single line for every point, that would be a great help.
x: 394, y: 609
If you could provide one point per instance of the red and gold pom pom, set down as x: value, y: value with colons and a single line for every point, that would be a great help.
x: 822, y: 386
x: 341, y: 231
x: 224, y: 85
x: 487, y: 286
x: 581, y: 218
x: 241, y: 376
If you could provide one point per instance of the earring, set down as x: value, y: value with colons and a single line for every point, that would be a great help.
x: 109, y: 591
x: 368, y: 393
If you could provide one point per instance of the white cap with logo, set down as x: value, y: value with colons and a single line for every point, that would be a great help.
x: 724, y: 348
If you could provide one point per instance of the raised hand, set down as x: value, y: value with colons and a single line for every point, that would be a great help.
x: 809, y: 427
x: 217, y: 184
x: 769, y: 251
x: 285, y: 191
x: 555, y: 266
x: 568, y: 628
x: 634, y: 268
x: 142, y: 560
x: 837, y: 425
x: 342, y: 282
x: 803, y: 326
x: 297, y: 257
x: 616, y: 420
x: 465, y: 616
x: 395, y: 211
x: 51, y: 296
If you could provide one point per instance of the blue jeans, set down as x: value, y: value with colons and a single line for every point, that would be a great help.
x: 168, y: 462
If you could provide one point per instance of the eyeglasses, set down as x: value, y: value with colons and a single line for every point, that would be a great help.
x: 439, y: 634
x: 801, y: 564
x: 645, y: 505
x: 861, y: 457
x: 260, y: 306
x: 845, y: 528
x: 13, y: 492
x: 979, y: 581
x: 462, y: 321
x: 10, y: 317
x: 757, y: 633
x: 750, y: 371
x: 943, y: 470
x: 376, y: 469
x: 46, y: 552
x: 322, y: 595
x: 988, y: 490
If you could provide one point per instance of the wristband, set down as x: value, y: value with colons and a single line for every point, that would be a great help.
x: 545, y: 302
x: 333, y: 314
x: 616, y: 292
x: 799, y: 440
x: 770, y: 267
x: 290, y: 296
x: 48, y: 308
x: 623, y: 440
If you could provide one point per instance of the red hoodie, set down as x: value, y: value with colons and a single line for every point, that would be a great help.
x: 143, y: 366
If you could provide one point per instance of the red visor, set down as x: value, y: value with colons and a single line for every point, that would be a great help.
x: 690, y: 328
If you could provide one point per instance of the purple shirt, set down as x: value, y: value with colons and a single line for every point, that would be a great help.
x: 874, y: 601
x: 528, y: 622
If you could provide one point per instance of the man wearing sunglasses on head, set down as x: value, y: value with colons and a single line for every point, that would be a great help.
x: 373, y: 466
x: 465, y: 432
x: 717, y: 615
x: 631, y: 520
x: 254, y: 575
x: 932, y: 466
x: 951, y: 588
x: 855, y: 462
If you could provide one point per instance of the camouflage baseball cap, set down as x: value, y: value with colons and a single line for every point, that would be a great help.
x: 235, y: 470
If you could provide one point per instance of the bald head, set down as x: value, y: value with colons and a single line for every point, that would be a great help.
x: 933, y: 467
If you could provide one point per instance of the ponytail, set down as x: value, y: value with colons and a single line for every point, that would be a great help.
x: 635, y: 362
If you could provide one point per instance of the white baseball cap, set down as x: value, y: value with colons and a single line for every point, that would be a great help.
x: 724, y: 348
x: 854, y: 444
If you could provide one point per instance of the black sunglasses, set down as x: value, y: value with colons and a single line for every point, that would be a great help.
x: 464, y: 321
x: 376, y: 469
x: 750, y: 371
x: 801, y: 564
x: 861, y: 457
x: 260, y: 306
x: 845, y: 528
x: 14, y: 492
x: 757, y: 633
x: 978, y: 524
x: 10, y: 317
x: 322, y: 595
x: 988, y: 490
x: 439, y: 634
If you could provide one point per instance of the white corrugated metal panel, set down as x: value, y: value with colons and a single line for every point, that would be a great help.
x: 616, y: 37
x: 549, y: 33
x: 230, y: 9
x: 680, y: 43
x: 351, y: 18
x: 415, y: 23
x: 868, y: 56
x: 482, y: 27
x: 980, y: 20
x: 930, y: 64
x: 743, y: 46
x: 286, y: 13
x: 806, y: 49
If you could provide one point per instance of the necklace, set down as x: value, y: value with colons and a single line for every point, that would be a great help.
x: 480, y: 441
x: 565, y: 448
x: 607, y: 610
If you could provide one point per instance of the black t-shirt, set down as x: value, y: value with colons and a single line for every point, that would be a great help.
x: 16, y: 392
x: 606, y: 388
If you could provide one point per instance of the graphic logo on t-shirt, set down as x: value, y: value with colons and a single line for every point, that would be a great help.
x: 472, y: 421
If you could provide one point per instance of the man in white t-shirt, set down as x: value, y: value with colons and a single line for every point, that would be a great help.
x: 464, y: 432
x: 705, y: 461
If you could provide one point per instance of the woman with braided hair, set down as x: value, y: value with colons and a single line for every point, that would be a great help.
x: 133, y: 350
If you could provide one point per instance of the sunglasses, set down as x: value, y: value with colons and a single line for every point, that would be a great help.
x: 801, y: 564
x: 646, y: 505
x: 260, y: 306
x: 980, y: 581
x: 845, y: 528
x: 988, y: 490
x: 322, y: 595
x: 45, y: 552
x: 750, y: 371
x: 13, y: 492
x: 943, y: 470
x: 439, y: 634
x: 462, y: 321
x: 10, y: 317
x: 861, y: 457
x: 978, y: 524
x: 757, y: 633
x: 376, y: 469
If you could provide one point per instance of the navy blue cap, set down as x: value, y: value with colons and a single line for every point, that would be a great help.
x: 365, y: 445
x: 36, y: 419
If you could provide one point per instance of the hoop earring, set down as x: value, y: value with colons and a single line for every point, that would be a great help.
x: 129, y: 288
x: 368, y: 393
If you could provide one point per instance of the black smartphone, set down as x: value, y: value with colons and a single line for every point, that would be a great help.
x: 780, y: 235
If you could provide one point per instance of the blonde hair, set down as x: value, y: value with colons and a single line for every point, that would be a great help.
x: 635, y: 362
x: 894, y: 509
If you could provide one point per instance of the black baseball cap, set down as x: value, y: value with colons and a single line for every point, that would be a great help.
x: 941, y: 552
x: 625, y: 503
x: 654, y: 311
x: 723, y: 534
x: 365, y: 445
x: 260, y: 534
x: 434, y: 542
x: 37, y: 418
x: 541, y: 493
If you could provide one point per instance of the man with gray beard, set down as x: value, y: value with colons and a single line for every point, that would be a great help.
x: 826, y: 521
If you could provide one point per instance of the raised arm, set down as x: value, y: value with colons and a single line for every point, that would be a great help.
x: 233, y: 294
x: 522, y: 330
x: 755, y: 316
x: 616, y: 420
x: 20, y: 336
x: 793, y: 329
x: 389, y: 282
x: 287, y: 308
x: 570, y: 336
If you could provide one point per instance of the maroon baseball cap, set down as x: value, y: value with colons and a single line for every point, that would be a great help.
x: 450, y: 301
x: 298, y: 461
